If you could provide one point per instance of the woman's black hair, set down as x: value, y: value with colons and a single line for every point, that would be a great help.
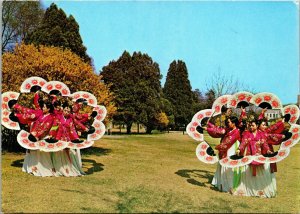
x: 41, y: 102
x: 259, y: 122
x: 254, y: 121
x: 233, y: 119
x: 223, y: 109
x: 81, y: 100
x: 66, y: 105
x: 56, y: 103
x: 49, y: 106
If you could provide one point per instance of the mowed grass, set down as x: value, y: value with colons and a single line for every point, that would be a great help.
x: 141, y: 173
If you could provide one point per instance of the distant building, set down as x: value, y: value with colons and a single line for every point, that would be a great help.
x: 270, y: 114
x: 273, y: 114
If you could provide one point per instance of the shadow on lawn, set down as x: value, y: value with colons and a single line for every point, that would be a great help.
x: 194, y: 175
x: 91, y: 166
x: 18, y: 163
x: 95, y: 151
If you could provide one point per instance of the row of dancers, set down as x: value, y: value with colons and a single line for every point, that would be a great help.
x: 242, y: 137
x: 53, y: 118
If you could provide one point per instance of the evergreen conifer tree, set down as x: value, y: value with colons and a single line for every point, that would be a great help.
x: 59, y: 30
x: 178, y: 91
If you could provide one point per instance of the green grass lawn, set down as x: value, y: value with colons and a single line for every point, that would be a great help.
x: 141, y: 173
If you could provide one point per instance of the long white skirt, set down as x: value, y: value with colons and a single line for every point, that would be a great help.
x: 223, y: 178
x: 62, y: 163
x: 261, y: 185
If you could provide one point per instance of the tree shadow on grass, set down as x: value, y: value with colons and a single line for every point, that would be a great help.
x: 95, y: 151
x: 91, y: 166
x: 195, y: 177
x: 18, y: 163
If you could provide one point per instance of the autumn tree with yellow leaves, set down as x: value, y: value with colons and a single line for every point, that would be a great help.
x: 53, y: 63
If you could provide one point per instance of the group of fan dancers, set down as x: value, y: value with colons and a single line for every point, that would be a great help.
x: 246, y: 135
x: 54, y: 118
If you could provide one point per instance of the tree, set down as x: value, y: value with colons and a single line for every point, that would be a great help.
x: 223, y: 84
x: 53, y: 63
x: 199, y: 101
x: 210, y: 97
x: 135, y: 81
x: 59, y: 30
x: 178, y: 91
x: 19, y: 18
x: 162, y: 120
x: 168, y: 109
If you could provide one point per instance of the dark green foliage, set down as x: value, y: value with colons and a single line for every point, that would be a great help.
x: 178, y: 91
x: 59, y: 30
x: 210, y: 98
x: 136, y: 85
x: 168, y: 108
x: 9, y: 142
x: 19, y: 18
x: 199, y: 101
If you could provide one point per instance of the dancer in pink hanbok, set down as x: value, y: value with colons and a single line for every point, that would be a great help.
x: 256, y: 178
x: 25, y: 115
x: 230, y: 137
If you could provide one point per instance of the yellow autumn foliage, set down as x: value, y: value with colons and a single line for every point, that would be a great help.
x: 162, y: 119
x: 53, y: 64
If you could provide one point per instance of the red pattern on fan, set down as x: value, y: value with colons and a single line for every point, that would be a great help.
x: 196, y: 121
x: 84, y: 144
x: 99, y: 131
x: 256, y: 99
x: 51, y: 147
x: 56, y: 85
x: 23, y: 140
x: 219, y: 102
x: 90, y: 98
x: 293, y: 110
x: 43, y: 145
x: 270, y: 98
x: 101, y: 112
x: 282, y: 154
x: 202, y: 154
x: 228, y: 162
x: 5, y: 120
x: 30, y: 82
x: 295, y: 138
x: 239, y: 97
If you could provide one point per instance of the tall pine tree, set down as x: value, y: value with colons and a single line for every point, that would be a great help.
x: 136, y: 85
x: 59, y: 30
x: 178, y: 91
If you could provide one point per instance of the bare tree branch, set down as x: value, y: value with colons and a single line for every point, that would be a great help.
x: 225, y: 84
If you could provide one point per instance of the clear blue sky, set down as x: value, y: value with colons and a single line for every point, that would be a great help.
x: 256, y: 42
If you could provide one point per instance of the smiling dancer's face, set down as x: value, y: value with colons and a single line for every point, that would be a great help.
x: 45, y: 109
x: 263, y: 126
x: 67, y: 111
x: 253, y: 127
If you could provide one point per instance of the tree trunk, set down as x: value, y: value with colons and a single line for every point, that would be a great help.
x: 149, y: 129
x: 138, y: 128
x: 128, y: 127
